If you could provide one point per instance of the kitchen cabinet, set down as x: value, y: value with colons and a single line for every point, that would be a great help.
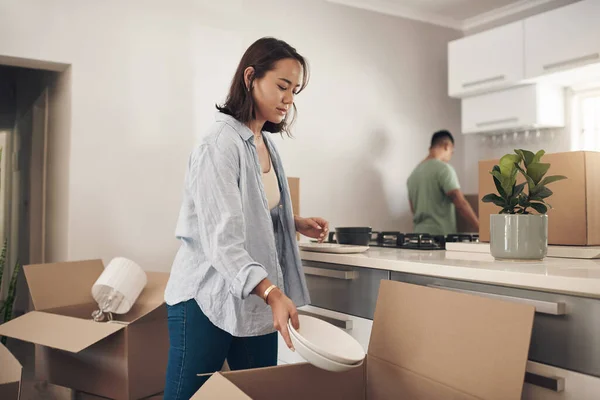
x: 560, y: 384
x: 486, y: 61
x: 529, y: 106
x: 334, y: 287
x: 563, y: 39
x: 358, y: 328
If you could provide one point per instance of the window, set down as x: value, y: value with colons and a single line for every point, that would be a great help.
x: 586, y: 121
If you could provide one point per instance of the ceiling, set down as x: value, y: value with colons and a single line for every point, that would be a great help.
x: 458, y: 14
x: 456, y: 9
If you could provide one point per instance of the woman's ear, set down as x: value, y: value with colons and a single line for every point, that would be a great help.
x: 248, y: 77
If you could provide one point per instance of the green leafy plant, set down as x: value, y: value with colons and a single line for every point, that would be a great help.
x: 512, y: 197
x: 6, y: 306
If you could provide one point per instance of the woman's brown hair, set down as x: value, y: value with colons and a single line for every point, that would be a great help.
x: 262, y: 56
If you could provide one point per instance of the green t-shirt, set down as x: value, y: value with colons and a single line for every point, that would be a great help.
x: 427, y: 188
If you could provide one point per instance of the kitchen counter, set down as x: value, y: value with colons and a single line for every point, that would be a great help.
x: 570, y: 276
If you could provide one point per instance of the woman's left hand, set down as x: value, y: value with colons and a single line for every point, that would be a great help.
x: 314, y: 227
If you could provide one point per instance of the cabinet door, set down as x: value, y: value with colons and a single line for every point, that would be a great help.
x: 551, y: 383
x: 563, y: 39
x: 486, y: 61
x: 507, y: 109
x: 335, y: 287
x: 532, y: 106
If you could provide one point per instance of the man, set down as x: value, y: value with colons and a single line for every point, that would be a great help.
x: 434, y: 191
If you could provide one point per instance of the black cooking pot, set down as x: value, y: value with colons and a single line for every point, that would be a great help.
x: 359, y: 236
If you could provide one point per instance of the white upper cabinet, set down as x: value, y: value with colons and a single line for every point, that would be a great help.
x: 562, y: 39
x: 531, y: 106
x: 486, y: 61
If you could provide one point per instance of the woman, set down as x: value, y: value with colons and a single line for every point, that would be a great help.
x: 237, y: 276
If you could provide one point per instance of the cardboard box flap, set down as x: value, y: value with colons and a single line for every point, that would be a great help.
x: 58, y: 331
x: 219, y: 387
x: 62, y: 284
x: 298, y: 382
x: 152, y: 297
x: 11, y: 368
x: 406, y: 384
x: 470, y: 344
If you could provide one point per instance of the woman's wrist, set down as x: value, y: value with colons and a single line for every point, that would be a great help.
x: 267, y: 291
x: 260, y: 289
x: 273, y: 296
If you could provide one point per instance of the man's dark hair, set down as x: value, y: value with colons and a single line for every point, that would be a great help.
x: 441, y: 137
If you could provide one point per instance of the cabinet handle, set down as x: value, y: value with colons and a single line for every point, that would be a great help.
x: 498, y: 121
x: 542, y: 307
x: 484, y: 81
x: 345, y: 324
x: 577, y: 60
x: 554, y: 383
x: 331, y: 273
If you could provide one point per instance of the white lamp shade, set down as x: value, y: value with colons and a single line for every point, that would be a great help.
x: 122, y: 281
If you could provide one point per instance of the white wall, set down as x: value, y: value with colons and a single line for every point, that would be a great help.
x: 146, y: 74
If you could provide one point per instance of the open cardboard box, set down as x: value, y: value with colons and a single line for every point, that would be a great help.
x: 425, y: 344
x: 123, y: 359
x: 10, y: 375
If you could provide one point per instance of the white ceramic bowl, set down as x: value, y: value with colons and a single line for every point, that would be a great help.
x: 318, y: 360
x: 328, y: 340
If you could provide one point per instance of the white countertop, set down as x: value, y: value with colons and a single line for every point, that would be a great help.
x: 571, y: 276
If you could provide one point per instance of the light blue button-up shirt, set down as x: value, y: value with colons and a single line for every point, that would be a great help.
x: 230, y: 240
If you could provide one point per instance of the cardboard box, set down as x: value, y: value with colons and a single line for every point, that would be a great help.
x: 10, y: 375
x: 462, y: 225
x: 575, y: 216
x: 124, y: 359
x: 426, y: 343
x: 294, y: 185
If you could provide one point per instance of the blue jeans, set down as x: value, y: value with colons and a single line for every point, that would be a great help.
x: 197, y: 346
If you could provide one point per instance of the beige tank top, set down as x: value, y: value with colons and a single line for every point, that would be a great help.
x: 271, y: 185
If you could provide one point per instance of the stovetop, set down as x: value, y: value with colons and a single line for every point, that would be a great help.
x: 419, y: 241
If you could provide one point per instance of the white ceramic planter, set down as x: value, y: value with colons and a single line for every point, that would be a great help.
x: 518, y: 237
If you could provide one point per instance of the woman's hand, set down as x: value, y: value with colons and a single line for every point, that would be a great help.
x: 283, y: 309
x: 314, y: 227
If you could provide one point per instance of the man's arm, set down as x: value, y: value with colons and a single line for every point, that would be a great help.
x: 463, y: 207
x: 412, y: 209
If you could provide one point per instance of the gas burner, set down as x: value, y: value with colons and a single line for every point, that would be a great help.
x: 462, y: 237
x: 423, y: 241
x: 418, y: 241
x: 389, y: 239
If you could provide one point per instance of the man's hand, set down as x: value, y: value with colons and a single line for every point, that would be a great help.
x: 463, y: 207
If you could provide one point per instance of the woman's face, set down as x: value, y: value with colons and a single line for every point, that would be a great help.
x: 274, y: 93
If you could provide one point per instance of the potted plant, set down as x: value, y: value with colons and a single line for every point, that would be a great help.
x: 520, y: 230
